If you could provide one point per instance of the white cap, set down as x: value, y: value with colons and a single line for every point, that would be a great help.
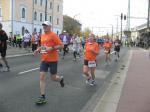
x: 47, y: 23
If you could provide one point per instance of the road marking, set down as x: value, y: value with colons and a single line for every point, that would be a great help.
x: 113, y: 52
x: 28, y: 71
x: 18, y: 55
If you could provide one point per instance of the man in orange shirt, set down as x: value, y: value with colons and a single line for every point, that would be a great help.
x: 34, y: 41
x: 90, y: 54
x: 107, y: 47
x: 50, y: 43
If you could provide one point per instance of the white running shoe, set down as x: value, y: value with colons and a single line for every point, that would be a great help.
x: 93, y: 83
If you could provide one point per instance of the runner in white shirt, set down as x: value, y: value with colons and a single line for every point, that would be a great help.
x: 76, y: 46
x: 26, y: 40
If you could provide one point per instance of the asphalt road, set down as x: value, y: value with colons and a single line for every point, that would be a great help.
x: 19, y: 88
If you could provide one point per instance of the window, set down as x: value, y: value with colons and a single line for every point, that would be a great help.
x: 41, y: 2
x: 57, y: 21
x: 23, y: 30
x: 57, y: 32
x: 35, y: 1
x: 23, y: 12
x: 0, y: 11
x: 40, y: 16
x: 58, y: 8
x: 34, y: 29
x: 40, y: 31
x: 51, y: 5
x: 50, y: 18
x: 35, y: 15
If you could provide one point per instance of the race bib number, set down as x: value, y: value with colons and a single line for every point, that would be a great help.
x: 106, y: 51
x: 43, y: 49
x: 116, y: 44
x: 91, y: 64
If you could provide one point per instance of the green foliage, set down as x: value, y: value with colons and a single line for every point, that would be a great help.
x: 86, y: 32
x: 71, y: 25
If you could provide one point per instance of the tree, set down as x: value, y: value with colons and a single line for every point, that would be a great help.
x: 86, y: 32
x: 71, y: 25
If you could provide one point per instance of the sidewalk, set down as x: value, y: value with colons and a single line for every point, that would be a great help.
x: 129, y: 90
x: 135, y: 96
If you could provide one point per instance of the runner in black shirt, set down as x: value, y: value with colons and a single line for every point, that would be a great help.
x: 3, y: 47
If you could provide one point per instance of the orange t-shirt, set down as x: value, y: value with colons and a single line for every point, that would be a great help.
x: 107, y: 45
x: 33, y: 39
x: 50, y: 40
x: 89, y: 55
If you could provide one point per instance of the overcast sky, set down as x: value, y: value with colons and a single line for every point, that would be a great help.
x: 101, y: 13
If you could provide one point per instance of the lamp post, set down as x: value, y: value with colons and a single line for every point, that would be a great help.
x: 45, y: 10
x: 53, y: 15
x: 32, y: 15
x: 76, y: 15
x: 12, y: 18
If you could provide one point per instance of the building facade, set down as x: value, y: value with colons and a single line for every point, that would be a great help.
x: 19, y: 15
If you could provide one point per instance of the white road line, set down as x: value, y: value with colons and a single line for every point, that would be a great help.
x: 18, y: 55
x: 112, y: 52
x: 28, y: 71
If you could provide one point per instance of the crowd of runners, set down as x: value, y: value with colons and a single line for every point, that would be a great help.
x: 48, y: 45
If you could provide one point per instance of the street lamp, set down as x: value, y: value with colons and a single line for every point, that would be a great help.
x: 45, y: 10
x: 76, y: 15
x: 53, y: 15
x: 12, y: 17
x: 32, y: 15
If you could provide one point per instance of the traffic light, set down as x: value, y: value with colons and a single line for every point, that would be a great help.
x: 125, y: 17
x: 121, y: 16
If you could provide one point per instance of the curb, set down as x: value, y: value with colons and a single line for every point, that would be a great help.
x: 110, y: 99
x: 93, y: 103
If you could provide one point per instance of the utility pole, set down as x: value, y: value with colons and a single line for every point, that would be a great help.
x: 148, y: 14
x: 117, y: 26
x: 45, y: 10
x: 112, y: 32
x: 121, y: 24
x: 33, y: 16
x: 128, y: 15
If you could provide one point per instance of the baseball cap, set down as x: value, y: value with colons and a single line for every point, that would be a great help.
x: 47, y: 23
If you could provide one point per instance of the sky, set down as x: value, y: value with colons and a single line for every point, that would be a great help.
x: 97, y: 14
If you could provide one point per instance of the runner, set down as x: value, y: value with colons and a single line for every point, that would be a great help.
x: 34, y: 41
x: 83, y: 42
x: 107, y: 48
x: 76, y: 46
x: 26, y: 40
x: 65, y: 39
x: 90, y: 53
x: 50, y: 43
x: 3, y: 48
x: 117, y: 44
